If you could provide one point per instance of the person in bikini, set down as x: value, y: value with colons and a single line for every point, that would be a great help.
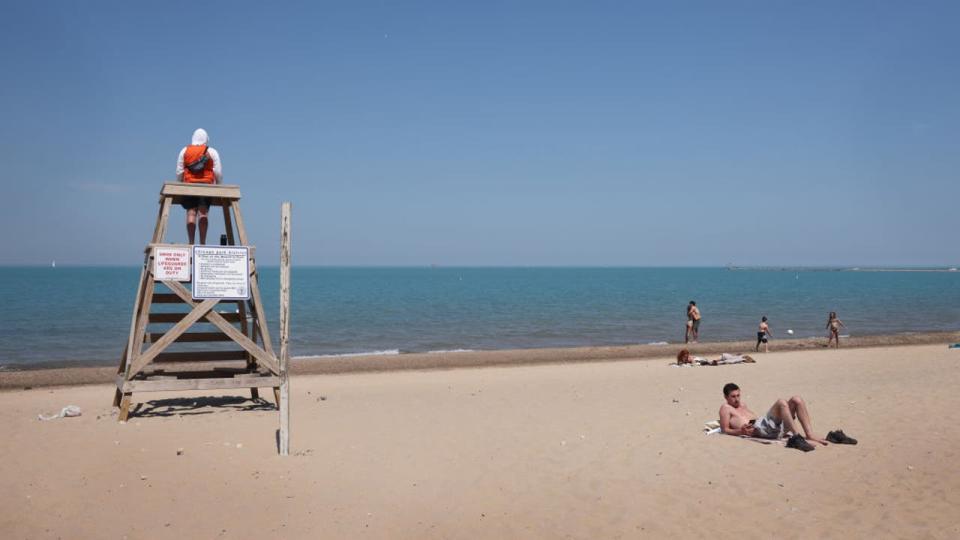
x: 834, y: 325
x: 781, y: 420
x: 763, y: 333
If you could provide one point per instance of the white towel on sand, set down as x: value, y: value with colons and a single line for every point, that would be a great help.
x: 712, y: 427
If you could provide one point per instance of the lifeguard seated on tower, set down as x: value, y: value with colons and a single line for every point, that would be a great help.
x: 198, y: 164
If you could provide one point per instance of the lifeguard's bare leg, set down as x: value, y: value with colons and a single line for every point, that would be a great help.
x: 202, y: 210
x: 191, y: 224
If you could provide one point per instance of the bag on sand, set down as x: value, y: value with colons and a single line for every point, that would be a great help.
x: 69, y: 410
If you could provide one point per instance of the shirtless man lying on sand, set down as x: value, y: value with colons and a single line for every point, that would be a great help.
x: 737, y: 419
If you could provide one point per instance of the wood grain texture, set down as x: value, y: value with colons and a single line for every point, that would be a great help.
x: 284, y: 328
x: 265, y: 358
x: 229, y: 192
x: 147, y: 356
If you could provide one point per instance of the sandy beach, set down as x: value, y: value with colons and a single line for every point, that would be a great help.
x: 581, y: 450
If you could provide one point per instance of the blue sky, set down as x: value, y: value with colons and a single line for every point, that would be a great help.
x: 484, y: 133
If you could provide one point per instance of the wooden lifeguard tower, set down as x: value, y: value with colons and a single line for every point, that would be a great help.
x: 147, y: 366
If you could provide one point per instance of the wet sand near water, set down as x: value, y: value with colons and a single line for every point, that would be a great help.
x: 61, y: 376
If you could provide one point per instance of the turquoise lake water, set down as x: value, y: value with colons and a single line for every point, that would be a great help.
x: 82, y: 314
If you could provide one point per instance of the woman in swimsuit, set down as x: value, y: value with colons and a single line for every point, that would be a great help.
x: 834, y: 325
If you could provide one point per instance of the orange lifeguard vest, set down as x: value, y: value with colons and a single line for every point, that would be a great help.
x: 192, y: 156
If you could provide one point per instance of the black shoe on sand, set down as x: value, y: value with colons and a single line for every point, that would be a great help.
x: 797, y: 441
x: 839, y: 437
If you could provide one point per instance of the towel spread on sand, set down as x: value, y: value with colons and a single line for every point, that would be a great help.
x: 725, y: 359
x: 712, y: 427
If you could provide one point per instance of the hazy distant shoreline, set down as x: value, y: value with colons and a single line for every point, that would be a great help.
x: 838, y: 269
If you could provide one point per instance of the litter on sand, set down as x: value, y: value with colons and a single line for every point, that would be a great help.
x: 66, y: 412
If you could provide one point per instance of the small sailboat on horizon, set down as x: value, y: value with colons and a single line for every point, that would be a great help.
x: 53, y: 264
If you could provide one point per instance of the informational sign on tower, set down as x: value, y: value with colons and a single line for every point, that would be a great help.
x: 221, y: 272
x: 171, y: 264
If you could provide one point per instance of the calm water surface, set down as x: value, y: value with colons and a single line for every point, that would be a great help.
x: 83, y: 313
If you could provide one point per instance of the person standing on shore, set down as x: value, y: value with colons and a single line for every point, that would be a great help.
x: 198, y: 164
x: 834, y: 325
x: 693, y: 315
x: 763, y: 333
x: 689, y: 326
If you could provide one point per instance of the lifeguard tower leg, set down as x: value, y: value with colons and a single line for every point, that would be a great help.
x: 123, y: 368
x: 124, y: 407
x: 241, y: 305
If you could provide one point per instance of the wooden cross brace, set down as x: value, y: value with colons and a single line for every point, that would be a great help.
x: 201, y: 310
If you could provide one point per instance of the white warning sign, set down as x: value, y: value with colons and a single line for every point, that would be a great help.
x: 171, y: 264
x: 221, y: 272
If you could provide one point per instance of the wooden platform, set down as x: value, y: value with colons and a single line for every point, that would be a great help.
x: 196, y: 380
x: 220, y: 194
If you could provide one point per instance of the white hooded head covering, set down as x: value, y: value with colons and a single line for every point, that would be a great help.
x: 200, y: 137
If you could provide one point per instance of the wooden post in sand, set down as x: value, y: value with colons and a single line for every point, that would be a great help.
x: 227, y: 278
x: 284, y: 329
